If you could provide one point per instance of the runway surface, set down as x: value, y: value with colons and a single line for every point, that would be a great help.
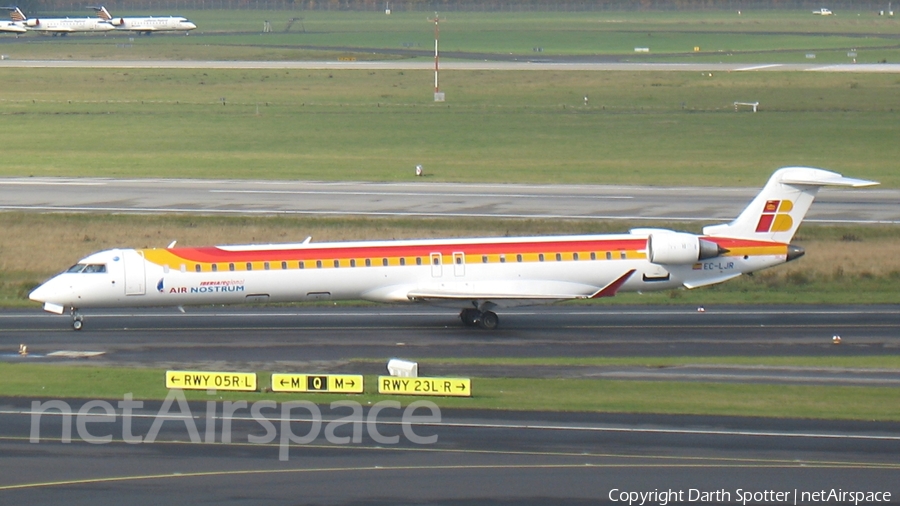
x: 423, y: 199
x: 196, y: 452
x: 472, y: 457
x: 347, y: 339
x: 425, y: 64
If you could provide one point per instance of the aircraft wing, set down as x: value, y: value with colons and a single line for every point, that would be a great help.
x: 526, y: 290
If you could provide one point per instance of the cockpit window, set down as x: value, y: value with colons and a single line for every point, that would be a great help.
x: 87, y: 268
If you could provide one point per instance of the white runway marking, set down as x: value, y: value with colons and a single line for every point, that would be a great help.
x: 758, y: 67
x: 508, y: 426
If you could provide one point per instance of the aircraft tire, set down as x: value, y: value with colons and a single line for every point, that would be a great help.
x: 489, y: 320
x: 77, y: 324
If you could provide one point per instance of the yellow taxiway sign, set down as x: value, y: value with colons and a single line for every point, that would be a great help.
x: 206, y: 380
x: 455, y: 387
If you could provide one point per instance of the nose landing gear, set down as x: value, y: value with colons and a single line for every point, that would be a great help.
x: 77, y: 319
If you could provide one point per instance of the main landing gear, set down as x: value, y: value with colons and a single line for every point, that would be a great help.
x: 484, y: 319
x: 77, y: 319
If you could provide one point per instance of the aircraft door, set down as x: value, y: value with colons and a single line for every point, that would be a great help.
x: 437, y: 269
x: 459, y: 264
x: 135, y: 277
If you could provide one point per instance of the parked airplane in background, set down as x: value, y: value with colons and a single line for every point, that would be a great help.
x: 476, y: 276
x: 146, y: 24
x: 58, y: 26
x: 11, y: 27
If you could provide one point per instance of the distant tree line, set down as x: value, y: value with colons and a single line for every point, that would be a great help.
x: 172, y: 6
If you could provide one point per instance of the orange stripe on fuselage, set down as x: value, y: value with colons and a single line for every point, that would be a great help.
x: 214, y: 254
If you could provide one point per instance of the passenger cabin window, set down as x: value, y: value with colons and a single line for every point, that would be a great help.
x: 249, y: 266
x: 337, y: 263
x: 284, y: 265
x: 574, y: 256
x: 215, y: 267
x: 197, y: 268
x: 302, y: 265
x: 609, y: 255
x: 266, y: 266
x: 593, y: 255
x: 230, y: 267
x: 418, y: 260
x: 384, y: 262
x: 166, y: 269
x: 559, y: 257
x: 622, y: 254
x: 402, y: 261
x: 352, y: 262
x: 519, y: 257
x: 318, y: 264
x: 541, y: 257
x: 368, y: 262
x: 484, y: 259
x: 502, y: 259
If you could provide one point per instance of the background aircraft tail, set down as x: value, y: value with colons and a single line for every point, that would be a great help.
x: 16, y: 14
x: 778, y: 209
x: 102, y: 13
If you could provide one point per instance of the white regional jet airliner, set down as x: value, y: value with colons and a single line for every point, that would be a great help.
x: 474, y: 275
x: 58, y: 26
x: 146, y: 24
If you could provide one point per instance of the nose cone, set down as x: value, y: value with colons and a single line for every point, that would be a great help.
x: 54, y: 294
x: 40, y: 294
x: 187, y: 25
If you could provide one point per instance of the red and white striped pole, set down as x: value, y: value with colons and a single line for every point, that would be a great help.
x: 438, y: 96
x: 436, y: 36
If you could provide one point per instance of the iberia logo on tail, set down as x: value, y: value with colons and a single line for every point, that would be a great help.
x: 775, y: 217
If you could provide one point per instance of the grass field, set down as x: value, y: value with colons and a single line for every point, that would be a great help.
x: 638, y: 128
x: 854, y: 403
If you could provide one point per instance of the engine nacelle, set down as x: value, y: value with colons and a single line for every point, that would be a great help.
x: 676, y: 248
x: 32, y: 22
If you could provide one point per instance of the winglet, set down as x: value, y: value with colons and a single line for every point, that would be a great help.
x: 611, y: 289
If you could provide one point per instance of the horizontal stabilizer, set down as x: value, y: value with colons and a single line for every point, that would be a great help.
x: 779, y: 208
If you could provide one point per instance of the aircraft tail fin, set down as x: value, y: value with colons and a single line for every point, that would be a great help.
x: 16, y: 14
x: 776, y: 212
x: 102, y: 13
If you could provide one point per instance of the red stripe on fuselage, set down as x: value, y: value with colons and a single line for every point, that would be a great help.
x: 214, y: 254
